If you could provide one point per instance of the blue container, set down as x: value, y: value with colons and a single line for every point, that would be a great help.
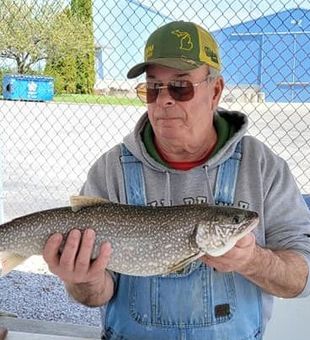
x: 23, y: 87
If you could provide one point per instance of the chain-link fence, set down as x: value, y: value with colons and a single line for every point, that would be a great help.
x: 47, y: 147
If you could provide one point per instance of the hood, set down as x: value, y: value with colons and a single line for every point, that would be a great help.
x: 133, y: 141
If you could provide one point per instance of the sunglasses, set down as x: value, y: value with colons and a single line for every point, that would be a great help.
x: 180, y: 90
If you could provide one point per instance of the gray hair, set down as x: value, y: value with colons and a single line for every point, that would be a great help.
x: 214, y: 73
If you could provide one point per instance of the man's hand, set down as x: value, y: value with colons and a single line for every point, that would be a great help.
x: 282, y: 273
x: 74, y: 265
x: 86, y: 280
x: 238, y: 259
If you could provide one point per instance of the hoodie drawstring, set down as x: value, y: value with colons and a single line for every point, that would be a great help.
x: 167, y: 190
x: 209, y: 189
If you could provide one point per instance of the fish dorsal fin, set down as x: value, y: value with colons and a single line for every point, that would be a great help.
x: 9, y: 261
x: 79, y: 202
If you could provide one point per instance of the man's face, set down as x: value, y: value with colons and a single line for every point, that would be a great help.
x: 183, y: 122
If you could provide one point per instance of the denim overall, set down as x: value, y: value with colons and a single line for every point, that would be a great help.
x: 198, y: 303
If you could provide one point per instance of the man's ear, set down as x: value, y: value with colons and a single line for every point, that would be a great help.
x: 218, y: 87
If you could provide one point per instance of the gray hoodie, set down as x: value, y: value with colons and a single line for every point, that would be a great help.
x: 265, y: 184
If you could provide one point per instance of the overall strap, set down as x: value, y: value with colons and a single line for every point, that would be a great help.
x: 133, y: 178
x: 225, y: 185
x: 226, y: 180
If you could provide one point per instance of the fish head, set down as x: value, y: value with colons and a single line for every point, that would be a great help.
x: 219, y: 232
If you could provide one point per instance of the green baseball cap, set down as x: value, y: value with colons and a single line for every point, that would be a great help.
x: 180, y: 45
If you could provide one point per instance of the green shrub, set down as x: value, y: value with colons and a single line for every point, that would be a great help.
x: 64, y: 73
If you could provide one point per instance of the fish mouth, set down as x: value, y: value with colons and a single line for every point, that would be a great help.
x: 231, y: 243
x: 253, y: 224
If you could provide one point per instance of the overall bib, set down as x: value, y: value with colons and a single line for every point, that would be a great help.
x: 198, y: 303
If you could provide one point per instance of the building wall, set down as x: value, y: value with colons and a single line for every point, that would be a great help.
x: 271, y: 53
x: 268, y: 54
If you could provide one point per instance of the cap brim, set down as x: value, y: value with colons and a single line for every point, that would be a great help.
x: 176, y: 63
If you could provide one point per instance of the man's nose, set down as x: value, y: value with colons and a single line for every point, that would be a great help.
x: 164, y: 98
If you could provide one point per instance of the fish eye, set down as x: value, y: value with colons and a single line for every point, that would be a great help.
x: 236, y: 219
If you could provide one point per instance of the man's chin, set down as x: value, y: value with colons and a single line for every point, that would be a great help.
x: 170, y: 134
x: 170, y: 124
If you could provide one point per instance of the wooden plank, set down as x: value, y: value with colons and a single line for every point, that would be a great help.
x: 17, y: 326
x: 12, y: 335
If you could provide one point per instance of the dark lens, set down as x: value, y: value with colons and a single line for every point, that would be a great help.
x: 147, y: 93
x: 151, y: 94
x: 181, y: 90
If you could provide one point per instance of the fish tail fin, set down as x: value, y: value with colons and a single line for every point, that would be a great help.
x: 9, y: 261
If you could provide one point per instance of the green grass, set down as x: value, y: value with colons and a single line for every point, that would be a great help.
x: 96, y: 99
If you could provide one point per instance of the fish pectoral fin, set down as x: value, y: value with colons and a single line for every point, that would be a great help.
x: 9, y: 261
x: 78, y: 202
x: 178, y: 266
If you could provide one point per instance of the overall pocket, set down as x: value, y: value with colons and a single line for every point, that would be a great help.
x: 182, y: 300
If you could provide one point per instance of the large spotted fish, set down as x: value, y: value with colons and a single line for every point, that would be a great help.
x: 145, y: 240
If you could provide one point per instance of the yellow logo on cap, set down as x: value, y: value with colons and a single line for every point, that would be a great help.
x: 149, y: 50
x: 186, y: 40
x: 211, y: 54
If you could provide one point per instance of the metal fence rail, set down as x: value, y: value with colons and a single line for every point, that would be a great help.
x: 47, y: 147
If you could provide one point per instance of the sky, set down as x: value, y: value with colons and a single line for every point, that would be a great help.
x: 224, y: 13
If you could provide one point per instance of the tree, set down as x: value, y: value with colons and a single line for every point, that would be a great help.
x: 63, y: 70
x: 31, y: 31
x: 85, y: 62
x: 76, y: 73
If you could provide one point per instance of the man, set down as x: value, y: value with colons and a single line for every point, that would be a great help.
x: 186, y: 151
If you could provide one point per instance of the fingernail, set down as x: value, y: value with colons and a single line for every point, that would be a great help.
x: 89, y: 233
x: 75, y: 233
x: 109, y: 246
x: 57, y: 237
